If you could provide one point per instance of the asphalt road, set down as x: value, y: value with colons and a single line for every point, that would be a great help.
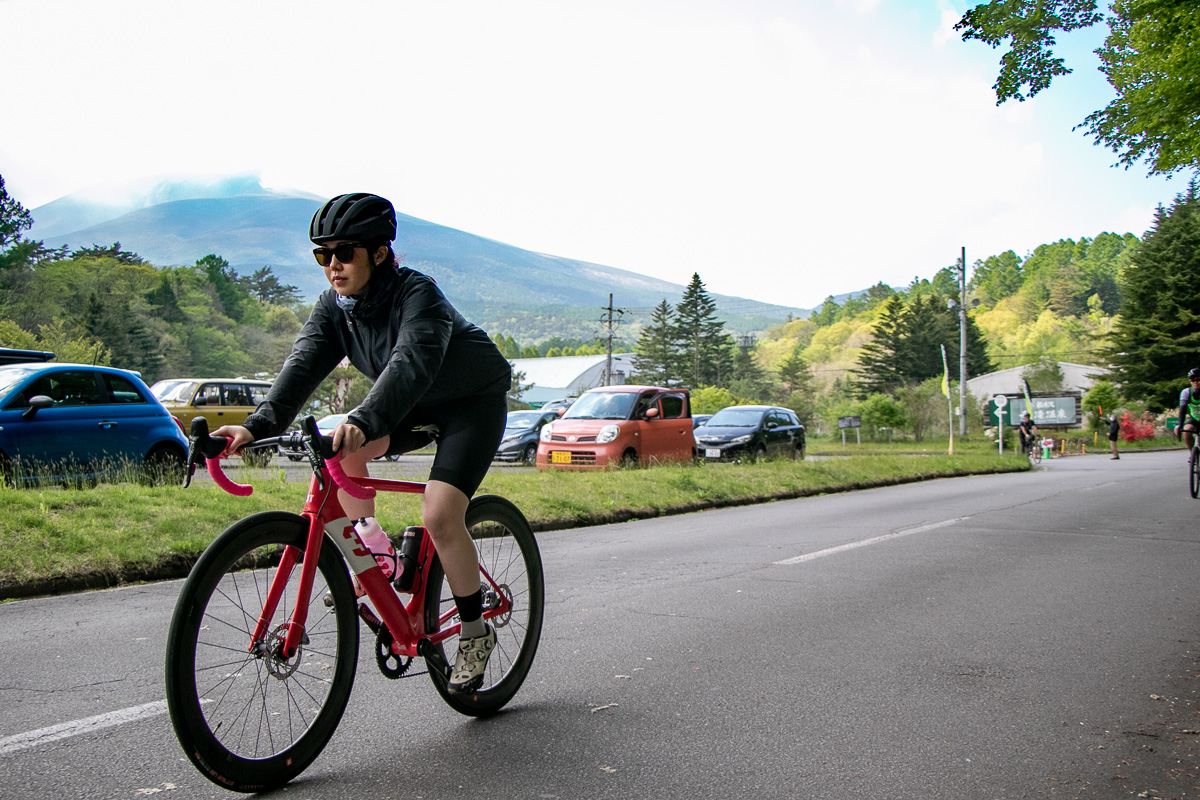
x: 1007, y: 636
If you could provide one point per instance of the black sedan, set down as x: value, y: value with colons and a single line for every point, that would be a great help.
x: 522, y: 430
x: 750, y: 433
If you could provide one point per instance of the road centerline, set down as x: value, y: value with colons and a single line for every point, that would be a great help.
x: 800, y: 559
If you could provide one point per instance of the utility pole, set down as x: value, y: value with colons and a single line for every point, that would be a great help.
x: 962, y: 345
x: 608, y: 370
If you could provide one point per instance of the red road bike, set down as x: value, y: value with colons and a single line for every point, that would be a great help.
x: 263, y: 644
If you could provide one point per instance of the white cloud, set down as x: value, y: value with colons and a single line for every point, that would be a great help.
x: 783, y: 152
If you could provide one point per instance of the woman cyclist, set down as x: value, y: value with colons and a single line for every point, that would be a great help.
x: 430, y: 367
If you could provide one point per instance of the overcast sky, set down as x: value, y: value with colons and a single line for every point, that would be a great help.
x: 785, y: 151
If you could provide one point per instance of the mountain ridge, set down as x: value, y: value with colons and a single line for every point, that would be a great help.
x: 175, y: 224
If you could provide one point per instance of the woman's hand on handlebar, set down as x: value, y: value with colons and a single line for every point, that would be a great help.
x: 238, y: 437
x: 348, y: 437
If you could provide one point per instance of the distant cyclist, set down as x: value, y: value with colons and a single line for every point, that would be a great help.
x: 1027, y: 431
x: 1189, y: 410
x: 430, y: 367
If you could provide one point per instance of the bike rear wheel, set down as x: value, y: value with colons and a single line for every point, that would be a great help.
x: 508, y: 551
x: 1194, y: 472
x: 251, y: 722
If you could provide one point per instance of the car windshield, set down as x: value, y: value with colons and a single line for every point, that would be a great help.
x: 328, y: 423
x: 602, y: 405
x: 734, y: 418
x: 9, y: 378
x: 522, y: 419
x: 175, y: 391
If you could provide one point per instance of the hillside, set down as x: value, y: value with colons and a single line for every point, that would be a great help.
x: 251, y: 227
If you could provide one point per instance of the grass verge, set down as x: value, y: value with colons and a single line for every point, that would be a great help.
x: 54, y: 540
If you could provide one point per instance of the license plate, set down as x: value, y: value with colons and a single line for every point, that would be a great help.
x: 560, y: 456
x: 712, y: 452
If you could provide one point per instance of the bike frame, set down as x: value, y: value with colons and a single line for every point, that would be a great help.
x: 325, y: 517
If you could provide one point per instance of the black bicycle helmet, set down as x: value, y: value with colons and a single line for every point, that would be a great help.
x: 358, y: 217
x: 1193, y: 373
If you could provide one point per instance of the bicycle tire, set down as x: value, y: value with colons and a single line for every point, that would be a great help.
x: 1194, y: 473
x: 508, y: 551
x: 252, y: 723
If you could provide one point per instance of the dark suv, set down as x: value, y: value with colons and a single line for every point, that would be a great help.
x: 522, y: 430
x: 745, y: 433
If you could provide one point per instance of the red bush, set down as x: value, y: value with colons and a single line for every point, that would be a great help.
x: 1134, y: 429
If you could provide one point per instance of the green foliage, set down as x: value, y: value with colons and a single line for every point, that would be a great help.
x: 711, y: 399
x: 1099, y: 401
x: 704, y: 356
x: 1044, y: 376
x: 1157, y: 338
x: 1149, y: 57
x: 906, y: 345
x: 656, y: 353
x: 880, y: 411
x: 14, y: 219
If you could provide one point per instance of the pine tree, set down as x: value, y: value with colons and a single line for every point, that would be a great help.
x: 796, y: 385
x: 878, y: 370
x: 704, y: 344
x: 655, y: 353
x: 1156, y: 340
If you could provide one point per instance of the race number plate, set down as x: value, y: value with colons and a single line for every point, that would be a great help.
x: 560, y: 457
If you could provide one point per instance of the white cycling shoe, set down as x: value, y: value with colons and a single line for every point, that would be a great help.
x: 471, y: 662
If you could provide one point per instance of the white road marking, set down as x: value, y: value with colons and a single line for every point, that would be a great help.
x: 874, y: 540
x: 64, y: 730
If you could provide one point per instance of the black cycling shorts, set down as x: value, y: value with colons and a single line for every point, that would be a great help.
x: 469, y: 432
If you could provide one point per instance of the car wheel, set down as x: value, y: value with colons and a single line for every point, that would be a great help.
x: 800, y: 447
x: 163, y: 465
x: 629, y: 460
x: 529, y: 454
x: 760, y: 453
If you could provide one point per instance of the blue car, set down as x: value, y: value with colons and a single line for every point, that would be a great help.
x: 76, y: 423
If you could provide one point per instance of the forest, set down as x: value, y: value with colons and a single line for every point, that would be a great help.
x: 1092, y: 300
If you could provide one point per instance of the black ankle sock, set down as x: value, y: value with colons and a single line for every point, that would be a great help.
x: 470, y: 611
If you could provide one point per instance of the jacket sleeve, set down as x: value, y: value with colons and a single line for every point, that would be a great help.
x: 423, y: 336
x: 316, y: 351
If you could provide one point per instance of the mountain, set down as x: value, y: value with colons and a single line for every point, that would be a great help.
x: 177, y: 223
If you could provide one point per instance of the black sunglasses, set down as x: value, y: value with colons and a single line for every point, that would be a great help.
x: 344, y: 253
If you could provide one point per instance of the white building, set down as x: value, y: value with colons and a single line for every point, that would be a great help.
x: 1008, y: 381
x: 567, y: 376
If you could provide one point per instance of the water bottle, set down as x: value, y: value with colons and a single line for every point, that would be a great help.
x: 410, y: 549
x: 378, y: 543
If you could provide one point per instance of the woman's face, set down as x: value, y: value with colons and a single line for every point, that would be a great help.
x: 349, y: 277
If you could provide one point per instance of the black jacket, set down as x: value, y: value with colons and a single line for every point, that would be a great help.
x: 403, y: 334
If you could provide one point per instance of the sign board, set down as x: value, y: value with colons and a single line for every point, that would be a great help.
x: 849, y: 422
x: 1058, y: 409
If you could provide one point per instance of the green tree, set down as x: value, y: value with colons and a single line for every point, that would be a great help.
x: 264, y: 285
x: 1149, y: 58
x: 880, y: 411
x: 225, y: 285
x: 878, y: 369
x: 827, y: 314
x: 704, y: 344
x: 796, y: 388
x: 1100, y: 400
x: 1155, y: 341
x: 14, y: 219
x: 656, y: 353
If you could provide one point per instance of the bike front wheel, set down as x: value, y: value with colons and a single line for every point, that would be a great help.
x: 247, y: 717
x: 507, y: 550
x: 1194, y: 472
